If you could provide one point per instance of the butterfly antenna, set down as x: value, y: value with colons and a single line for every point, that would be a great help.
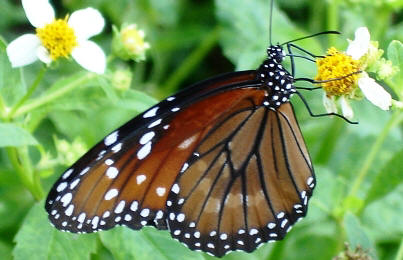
x: 271, y: 21
x: 310, y: 36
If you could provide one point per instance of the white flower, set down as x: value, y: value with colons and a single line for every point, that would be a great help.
x: 374, y: 92
x: 56, y: 38
x: 359, y: 53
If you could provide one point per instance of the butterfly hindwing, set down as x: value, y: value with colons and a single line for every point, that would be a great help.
x: 242, y: 186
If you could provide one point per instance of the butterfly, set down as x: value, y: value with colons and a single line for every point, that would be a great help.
x: 222, y: 165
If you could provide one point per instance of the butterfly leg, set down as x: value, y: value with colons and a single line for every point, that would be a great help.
x: 324, y: 114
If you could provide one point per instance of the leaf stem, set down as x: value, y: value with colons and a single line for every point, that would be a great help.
x: 399, y: 254
x: 191, y: 61
x: 43, y: 100
x: 22, y: 164
x: 29, y: 93
x: 3, y: 108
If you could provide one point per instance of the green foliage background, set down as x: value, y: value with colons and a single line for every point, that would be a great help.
x: 359, y: 193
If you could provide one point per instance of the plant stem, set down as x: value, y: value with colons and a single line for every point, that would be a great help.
x: 20, y: 160
x: 399, y: 255
x: 394, y: 120
x: 191, y: 61
x: 333, y: 20
x: 3, y: 108
x: 29, y: 93
x: 54, y: 95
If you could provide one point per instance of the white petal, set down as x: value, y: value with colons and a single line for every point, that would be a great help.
x: 90, y: 56
x: 346, y: 108
x: 360, y: 45
x: 329, y: 104
x: 38, y: 12
x: 22, y: 51
x: 375, y: 92
x: 86, y: 23
x: 43, y: 54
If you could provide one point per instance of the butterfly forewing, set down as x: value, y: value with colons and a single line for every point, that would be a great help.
x: 126, y: 177
x: 243, y: 185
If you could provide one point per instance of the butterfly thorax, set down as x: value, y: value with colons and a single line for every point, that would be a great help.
x: 275, y: 78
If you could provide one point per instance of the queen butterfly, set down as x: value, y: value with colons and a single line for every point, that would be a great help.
x: 222, y: 165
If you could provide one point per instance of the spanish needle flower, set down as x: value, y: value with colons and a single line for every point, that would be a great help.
x: 346, y: 74
x: 56, y: 38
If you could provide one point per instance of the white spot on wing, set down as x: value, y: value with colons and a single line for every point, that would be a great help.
x: 66, y: 199
x: 116, y: 148
x: 61, y: 186
x: 150, y: 113
x: 144, y: 151
x: 119, y: 208
x: 67, y: 174
x: 140, y: 179
x: 111, y: 138
x: 160, y: 191
x: 111, y: 194
x: 134, y: 206
x: 175, y: 188
x: 84, y: 171
x: 155, y: 123
x: 145, y: 212
x: 112, y: 172
x: 109, y: 162
x: 69, y: 210
x: 147, y: 137
x: 94, y: 222
x: 180, y: 217
x: 74, y: 183
x: 81, y: 217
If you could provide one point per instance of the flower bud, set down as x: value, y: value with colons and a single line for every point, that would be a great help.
x: 122, y: 79
x: 128, y: 43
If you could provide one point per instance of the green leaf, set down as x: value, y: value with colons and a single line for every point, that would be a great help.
x: 148, y: 243
x: 13, y: 135
x: 387, y: 179
x: 395, y: 54
x: 37, y: 239
x: 245, y: 33
x: 383, y: 217
x: 357, y: 236
x: 11, y: 85
x: 15, y: 201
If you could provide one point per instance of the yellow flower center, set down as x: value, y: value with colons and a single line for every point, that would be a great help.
x: 336, y: 66
x: 58, y: 38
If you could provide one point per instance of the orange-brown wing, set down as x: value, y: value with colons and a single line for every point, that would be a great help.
x: 248, y: 181
x: 126, y: 178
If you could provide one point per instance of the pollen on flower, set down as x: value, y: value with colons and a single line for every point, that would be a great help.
x: 58, y: 38
x: 337, y: 65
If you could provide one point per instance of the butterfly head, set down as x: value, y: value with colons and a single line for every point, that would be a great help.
x: 276, y: 52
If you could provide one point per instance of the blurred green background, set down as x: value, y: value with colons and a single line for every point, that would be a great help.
x: 359, y: 195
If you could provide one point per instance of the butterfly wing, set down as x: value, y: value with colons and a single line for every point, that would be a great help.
x: 125, y: 179
x: 247, y: 183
